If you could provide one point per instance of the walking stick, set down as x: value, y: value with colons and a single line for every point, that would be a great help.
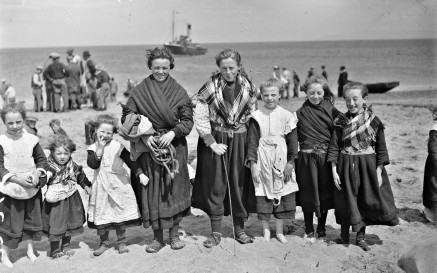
x: 230, y: 198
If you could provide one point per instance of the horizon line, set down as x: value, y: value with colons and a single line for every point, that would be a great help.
x: 241, y: 42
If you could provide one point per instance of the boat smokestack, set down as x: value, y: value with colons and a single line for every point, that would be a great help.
x: 189, y: 31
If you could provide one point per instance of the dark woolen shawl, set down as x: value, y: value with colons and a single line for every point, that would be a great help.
x: 315, y: 123
x: 158, y: 101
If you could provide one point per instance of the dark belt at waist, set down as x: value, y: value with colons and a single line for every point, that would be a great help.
x: 228, y: 129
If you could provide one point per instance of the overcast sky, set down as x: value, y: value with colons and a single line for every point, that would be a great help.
x: 39, y: 23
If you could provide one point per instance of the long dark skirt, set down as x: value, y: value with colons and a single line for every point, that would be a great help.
x: 63, y: 218
x: 22, y: 219
x: 210, y: 191
x: 285, y: 210
x: 316, y: 186
x: 164, y: 202
x: 430, y: 184
x: 361, y: 202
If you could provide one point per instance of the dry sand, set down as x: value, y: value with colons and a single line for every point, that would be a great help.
x: 406, y: 132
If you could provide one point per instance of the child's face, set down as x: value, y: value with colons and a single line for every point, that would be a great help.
x: 105, y: 132
x: 14, y: 123
x: 270, y: 97
x: 315, y: 93
x: 55, y: 127
x: 354, y: 101
x: 31, y: 123
x: 61, y: 155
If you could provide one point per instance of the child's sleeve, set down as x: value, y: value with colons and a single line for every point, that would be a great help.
x: 133, y: 165
x: 253, y: 136
x: 82, y: 179
x: 40, y: 160
x: 4, y: 173
x: 432, y: 148
x: 92, y: 161
x: 381, y: 147
x: 292, y: 144
x: 334, y: 145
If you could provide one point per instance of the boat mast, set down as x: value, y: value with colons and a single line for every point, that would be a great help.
x: 172, y: 28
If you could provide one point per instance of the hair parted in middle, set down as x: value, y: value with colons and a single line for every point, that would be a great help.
x: 318, y: 79
x: 226, y: 54
x: 159, y: 53
x: 270, y: 82
x: 106, y: 119
x: 356, y: 85
x: 57, y: 141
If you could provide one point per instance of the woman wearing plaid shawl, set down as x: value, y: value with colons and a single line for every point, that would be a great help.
x: 430, y: 174
x: 358, y: 154
x: 224, y: 107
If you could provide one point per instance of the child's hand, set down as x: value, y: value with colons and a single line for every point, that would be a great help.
x: 256, y: 175
x: 88, y: 190
x: 27, y: 183
x: 34, y: 178
x: 379, y: 175
x: 337, y: 181
x: 288, y: 171
x: 144, y: 180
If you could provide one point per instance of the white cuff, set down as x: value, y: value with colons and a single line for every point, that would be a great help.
x: 7, y: 176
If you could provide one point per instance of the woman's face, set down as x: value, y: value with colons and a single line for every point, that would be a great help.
x: 229, y: 69
x: 160, y: 69
x: 61, y: 155
x: 315, y: 93
x: 14, y: 123
x: 355, y: 101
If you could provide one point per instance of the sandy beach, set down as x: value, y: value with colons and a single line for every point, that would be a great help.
x: 407, y: 128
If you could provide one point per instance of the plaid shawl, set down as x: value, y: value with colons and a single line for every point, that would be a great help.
x: 64, y: 174
x: 358, y: 132
x: 233, y: 115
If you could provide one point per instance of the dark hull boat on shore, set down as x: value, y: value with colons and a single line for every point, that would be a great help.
x: 381, y: 87
x: 184, y: 45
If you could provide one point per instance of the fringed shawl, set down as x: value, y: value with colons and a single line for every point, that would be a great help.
x: 233, y: 115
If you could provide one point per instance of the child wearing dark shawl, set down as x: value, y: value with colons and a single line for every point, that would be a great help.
x: 430, y: 175
x: 313, y: 173
x: 358, y: 154
x: 63, y: 212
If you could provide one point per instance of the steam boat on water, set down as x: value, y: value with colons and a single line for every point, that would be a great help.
x: 184, y: 46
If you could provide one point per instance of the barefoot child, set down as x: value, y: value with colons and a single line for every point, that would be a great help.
x: 112, y: 204
x: 313, y: 172
x: 63, y: 212
x: 430, y: 175
x: 358, y: 154
x: 272, y: 148
x: 22, y: 174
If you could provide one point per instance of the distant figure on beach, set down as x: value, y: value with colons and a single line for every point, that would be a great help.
x: 55, y: 124
x: 272, y: 149
x: 358, y: 153
x: 113, y: 86
x: 10, y: 94
x: 48, y: 86
x: 87, y: 91
x: 37, y: 84
x: 160, y: 100
x: 75, y: 58
x: 296, y: 84
x: 342, y: 80
x: 278, y: 75
x: 30, y: 125
x: 56, y: 74
x: 73, y: 84
x: 324, y: 72
x: 99, y: 81
x: 224, y: 106
x: 310, y: 73
x: 288, y: 77
x: 430, y: 175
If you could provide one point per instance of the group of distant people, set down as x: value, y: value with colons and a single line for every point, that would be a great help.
x: 73, y: 83
x: 286, y: 78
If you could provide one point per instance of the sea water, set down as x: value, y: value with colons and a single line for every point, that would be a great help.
x: 411, y: 62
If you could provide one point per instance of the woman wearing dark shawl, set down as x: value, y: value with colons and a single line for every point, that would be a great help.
x: 313, y: 172
x: 224, y: 106
x: 164, y: 201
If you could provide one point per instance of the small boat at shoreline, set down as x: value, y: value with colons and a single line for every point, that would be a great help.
x: 381, y: 87
x: 184, y: 45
